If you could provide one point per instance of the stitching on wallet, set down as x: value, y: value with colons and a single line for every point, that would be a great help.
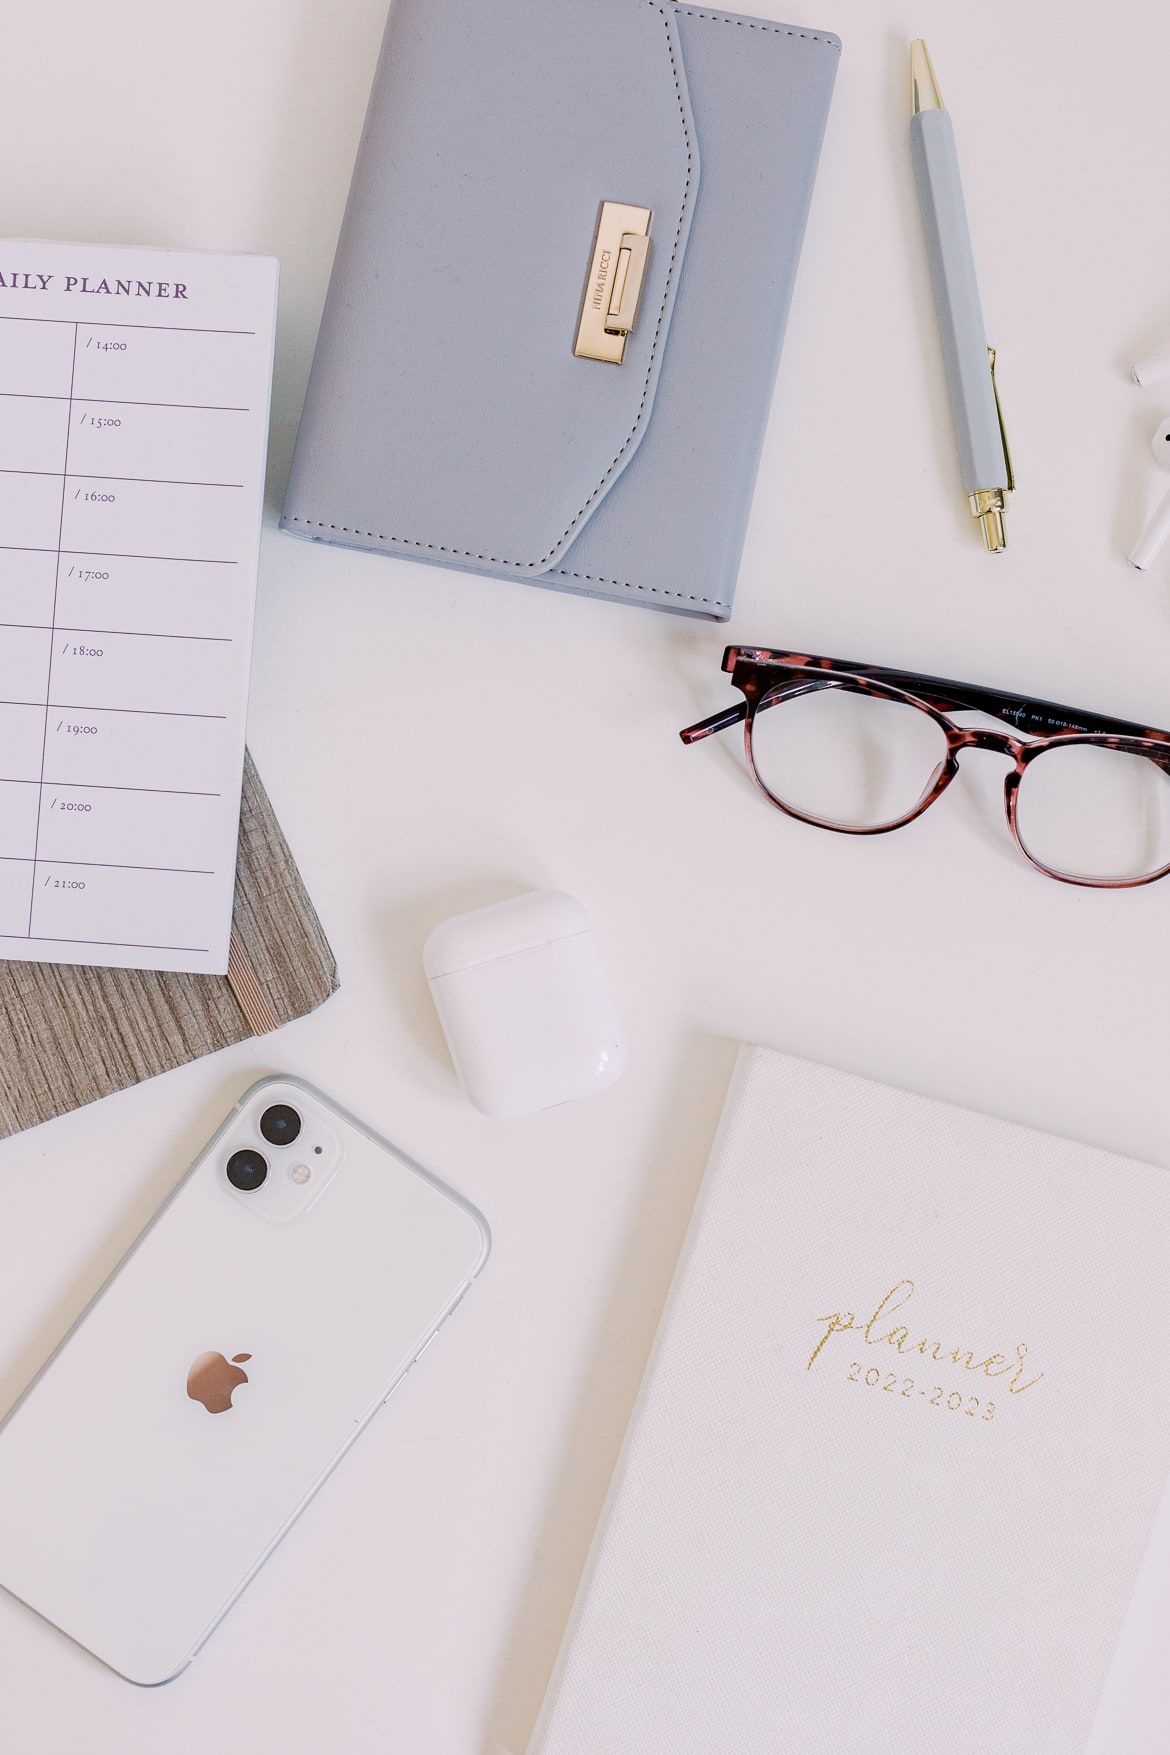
x: 564, y: 572
x: 628, y: 585
x: 498, y: 561
x: 777, y: 30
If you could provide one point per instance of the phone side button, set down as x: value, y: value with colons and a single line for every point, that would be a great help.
x: 410, y: 1367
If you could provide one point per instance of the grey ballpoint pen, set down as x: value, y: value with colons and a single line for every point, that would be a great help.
x: 970, y: 363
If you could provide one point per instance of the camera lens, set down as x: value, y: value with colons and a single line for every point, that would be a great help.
x: 280, y: 1125
x: 246, y: 1170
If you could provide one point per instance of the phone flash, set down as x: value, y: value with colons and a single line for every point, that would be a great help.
x: 299, y: 1173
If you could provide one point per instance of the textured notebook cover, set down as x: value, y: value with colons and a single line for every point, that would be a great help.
x: 899, y: 1447
x: 73, y: 1034
x: 447, y: 418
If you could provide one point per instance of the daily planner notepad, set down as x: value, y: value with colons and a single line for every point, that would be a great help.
x: 899, y: 1446
x: 134, y: 389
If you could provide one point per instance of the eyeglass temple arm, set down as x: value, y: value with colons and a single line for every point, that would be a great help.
x: 1021, y: 712
x: 737, y: 714
x: 717, y: 722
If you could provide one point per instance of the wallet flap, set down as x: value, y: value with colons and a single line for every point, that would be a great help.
x: 445, y: 377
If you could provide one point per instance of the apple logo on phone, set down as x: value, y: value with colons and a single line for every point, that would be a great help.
x: 213, y: 1381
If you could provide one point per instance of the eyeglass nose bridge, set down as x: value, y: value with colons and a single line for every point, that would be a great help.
x: 977, y: 737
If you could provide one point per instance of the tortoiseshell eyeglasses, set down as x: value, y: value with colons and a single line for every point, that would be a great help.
x: 862, y: 749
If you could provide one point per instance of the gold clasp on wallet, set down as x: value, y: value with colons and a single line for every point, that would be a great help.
x: 621, y: 249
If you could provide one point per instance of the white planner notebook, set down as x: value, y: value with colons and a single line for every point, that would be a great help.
x: 134, y: 389
x: 899, y: 1446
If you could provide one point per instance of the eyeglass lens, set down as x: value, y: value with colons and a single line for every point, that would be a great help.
x: 852, y: 760
x: 1091, y: 812
x: 848, y: 759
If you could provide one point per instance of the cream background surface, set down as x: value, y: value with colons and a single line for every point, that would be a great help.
x: 434, y: 741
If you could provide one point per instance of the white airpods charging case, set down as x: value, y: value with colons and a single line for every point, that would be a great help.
x: 524, y: 1003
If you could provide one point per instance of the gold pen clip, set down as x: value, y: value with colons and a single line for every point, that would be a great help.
x: 988, y: 504
x: 1007, y: 456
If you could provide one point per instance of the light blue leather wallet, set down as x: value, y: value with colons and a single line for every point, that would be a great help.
x: 556, y: 310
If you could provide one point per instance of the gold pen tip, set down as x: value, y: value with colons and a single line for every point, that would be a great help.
x: 988, y: 506
x: 924, y: 92
x: 994, y: 534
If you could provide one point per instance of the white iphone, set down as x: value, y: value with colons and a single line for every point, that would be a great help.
x: 285, y: 1288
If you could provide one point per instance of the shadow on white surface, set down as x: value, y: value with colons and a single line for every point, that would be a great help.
x: 565, y: 1527
x: 317, y: 105
x: 1131, y: 1715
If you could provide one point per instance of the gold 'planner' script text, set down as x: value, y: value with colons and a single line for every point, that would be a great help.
x: 898, y: 1336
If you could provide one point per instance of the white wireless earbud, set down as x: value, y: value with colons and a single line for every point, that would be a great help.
x: 1151, y: 371
x: 1158, y: 529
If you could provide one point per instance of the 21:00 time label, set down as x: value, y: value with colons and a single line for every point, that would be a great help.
x: 955, y: 1402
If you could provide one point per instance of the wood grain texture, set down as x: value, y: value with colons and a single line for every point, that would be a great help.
x: 73, y: 1034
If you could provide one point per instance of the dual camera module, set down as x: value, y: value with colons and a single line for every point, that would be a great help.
x: 246, y: 1169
